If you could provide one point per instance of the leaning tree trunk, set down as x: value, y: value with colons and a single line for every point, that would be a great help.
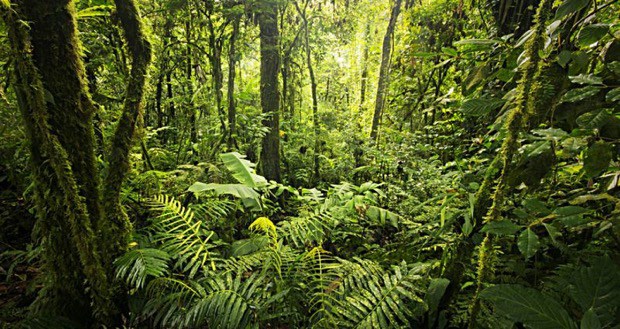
x: 270, y: 102
x: 384, y: 71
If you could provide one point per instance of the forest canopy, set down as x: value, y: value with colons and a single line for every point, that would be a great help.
x: 310, y: 164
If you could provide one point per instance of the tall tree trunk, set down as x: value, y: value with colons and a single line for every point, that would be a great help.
x: 288, y: 79
x: 116, y: 229
x: 270, y: 101
x: 232, y: 62
x: 384, y: 71
x: 215, y: 56
x: 58, y: 114
x: 315, y: 104
x: 190, y: 85
x: 364, y: 78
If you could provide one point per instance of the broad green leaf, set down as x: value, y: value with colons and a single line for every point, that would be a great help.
x: 435, y: 292
x: 528, y: 306
x: 571, y: 215
x: 597, y: 287
x: 554, y: 134
x: 500, y: 228
x: 242, y: 170
x: 564, y: 57
x: 586, y: 79
x: 595, y: 119
x: 590, y: 321
x: 537, y: 148
x: 613, y: 95
x: 569, y: 7
x: 597, y: 158
x: 554, y: 233
x: 382, y: 216
x: 579, y: 62
x: 579, y: 94
x: 536, y: 206
x: 528, y: 243
x: 591, y: 34
x: 247, y: 194
x: 614, y: 67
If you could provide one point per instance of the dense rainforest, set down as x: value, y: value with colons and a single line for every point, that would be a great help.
x: 310, y: 164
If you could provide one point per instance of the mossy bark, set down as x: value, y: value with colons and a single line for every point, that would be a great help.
x: 528, y: 94
x: 57, y: 111
x: 489, y: 201
x: 116, y: 228
x: 53, y: 95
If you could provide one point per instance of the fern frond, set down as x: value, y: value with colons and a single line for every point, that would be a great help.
x: 188, y: 240
x: 221, y: 301
x: 321, y: 272
x: 168, y: 302
x: 137, y: 264
x: 382, y: 300
x: 310, y: 229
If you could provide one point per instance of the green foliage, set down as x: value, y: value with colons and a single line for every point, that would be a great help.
x: 381, y: 300
x: 187, y: 239
x: 136, y: 265
x: 528, y: 306
x: 594, y: 288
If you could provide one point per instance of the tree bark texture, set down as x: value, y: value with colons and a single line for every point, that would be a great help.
x: 384, y: 71
x: 270, y: 101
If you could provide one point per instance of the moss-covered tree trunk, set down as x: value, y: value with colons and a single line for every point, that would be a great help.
x: 115, y: 229
x: 80, y: 240
x: 58, y: 115
x: 270, y: 101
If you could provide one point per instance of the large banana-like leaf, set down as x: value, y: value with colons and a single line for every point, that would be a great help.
x: 248, y: 195
x: 242, y: 169
x: 528, y: 306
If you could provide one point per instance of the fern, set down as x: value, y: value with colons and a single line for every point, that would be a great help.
x: 221, y: 301
x: 181, y: 236
x: 308, y: 230
x: 321, y: 273
x: 136, y: 265
x: 374, y: 298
